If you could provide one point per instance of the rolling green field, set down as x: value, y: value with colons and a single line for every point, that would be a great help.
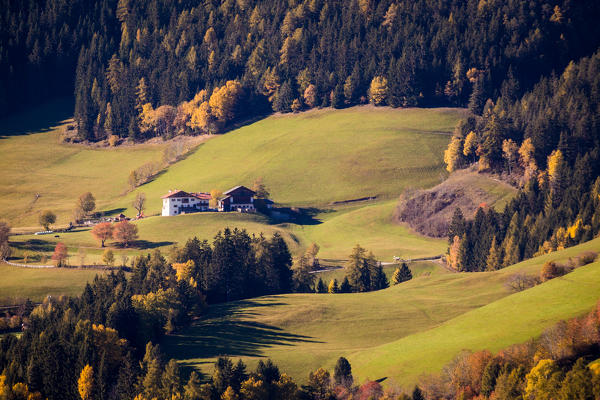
x: 309, y: 159
x: 314, y: 158
x: 337, y: 232
x: 397, y: 333
x: 19, y: 284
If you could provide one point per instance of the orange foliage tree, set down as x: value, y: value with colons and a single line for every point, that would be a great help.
x: 102, y: 232
x: 125, y: 232
x: 60, y: 254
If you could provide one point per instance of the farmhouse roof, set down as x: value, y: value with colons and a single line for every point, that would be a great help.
x: 202, y: 196
x: 233, y: 189
x: 176, y: 193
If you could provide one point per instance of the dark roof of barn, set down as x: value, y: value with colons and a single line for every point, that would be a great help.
x: 233, y: 189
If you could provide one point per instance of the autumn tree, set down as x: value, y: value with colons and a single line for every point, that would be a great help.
x: 494, y: 258
x: 333, y: 286
x: 260, y: 189
x: 378, y: 91
x: 215, y: 195
x: 470, y: 146
x: 46, y: 219
x: 556, y: 175
x: 543, y: 381
x: 224, y: 100
x: 102, y: 232
x: 401, y: 274
x: 510, y: 152
x: 85, y: 383
x: 527, y: 159
x: 125, y: 232
x: 60, y: 254
x: 139, y: 203
x: 310, y: 96
x: 453, y: 155
x: 108, y: 257
x: 86, y: 203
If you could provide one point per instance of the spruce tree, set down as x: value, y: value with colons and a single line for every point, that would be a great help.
x: 342, y: 374
x: 402, y: 274
x: 457, y: 225
x: 494, y: 258
x: 321, y: 288
x: 345, y: 286
x: 417, y: 394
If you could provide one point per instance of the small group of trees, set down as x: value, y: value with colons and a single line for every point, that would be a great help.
x: 364, y: 272
x: 203, y: 114
x: 401, y: 274
x: 123, y: 231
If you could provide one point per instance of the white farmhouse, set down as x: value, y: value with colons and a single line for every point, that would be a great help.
x: 179, y: 202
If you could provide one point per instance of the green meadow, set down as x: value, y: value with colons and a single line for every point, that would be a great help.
x: 398, y: 333
x: 19, y: 284
x: 307, y: 160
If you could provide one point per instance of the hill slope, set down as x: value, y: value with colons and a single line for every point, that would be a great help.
x: 383, y: 333
x: 314, y: 158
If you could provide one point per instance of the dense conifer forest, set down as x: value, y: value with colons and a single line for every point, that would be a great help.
x: 280, y: 54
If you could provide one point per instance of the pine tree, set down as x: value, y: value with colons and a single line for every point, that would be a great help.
x: 457, y: 225
x: 494, y: 258
x: 345, y: 286
x: 477, y: 98
x: 321, y: 287
x: 170, y: 381
x: 342, y: 374
x: 193, y: 387
x: 417, y: 394
x: 402, y: 274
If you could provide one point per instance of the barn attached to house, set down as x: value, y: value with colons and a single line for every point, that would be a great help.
x: 239, y: 198
x: 178, y: 202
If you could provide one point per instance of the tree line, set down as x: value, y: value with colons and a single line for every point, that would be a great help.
x: 137, y: 63
x: 560, y: 364
x: 548, y: 143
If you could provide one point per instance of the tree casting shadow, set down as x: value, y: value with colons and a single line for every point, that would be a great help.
x: 226, y: 332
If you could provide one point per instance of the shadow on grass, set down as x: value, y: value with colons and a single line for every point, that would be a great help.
x: 33, y: 245
x: 295, y: 215
x: 114, y: 211
x: 143, y: 245
x: 227, y: 332
x: 37, y: 119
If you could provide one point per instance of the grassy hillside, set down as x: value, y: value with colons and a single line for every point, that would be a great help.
x: 384, y: 333
x: 313, y: 158
x: 38, y: 164
x: 19, y: 284
x: 336, y: 231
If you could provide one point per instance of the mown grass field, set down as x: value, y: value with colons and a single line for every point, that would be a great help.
x: 336, y: 232
x: 39, y: 172
x: 309, y: 159
x: 314, y: 158
x: 19, y: 284
x: 398, y: 333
